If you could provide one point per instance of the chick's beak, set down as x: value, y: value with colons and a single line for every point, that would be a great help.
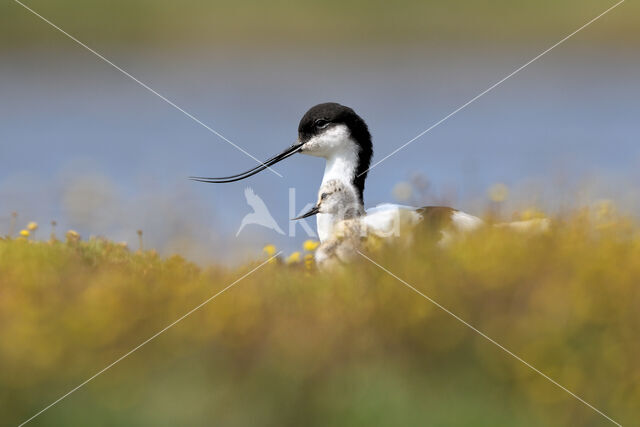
x: 314, y: 210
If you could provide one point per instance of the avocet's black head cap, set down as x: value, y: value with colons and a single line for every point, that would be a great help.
x: 322, y: 116
x: 314, y: 122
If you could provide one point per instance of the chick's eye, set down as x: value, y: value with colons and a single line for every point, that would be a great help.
x: 323, y: 196
x: 321, y: 123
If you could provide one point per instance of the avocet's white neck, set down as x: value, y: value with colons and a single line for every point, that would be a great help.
x: 342, y: 164
x: 341, y: 153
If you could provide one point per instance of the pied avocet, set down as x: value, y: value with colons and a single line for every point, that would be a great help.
x: 340, y: 136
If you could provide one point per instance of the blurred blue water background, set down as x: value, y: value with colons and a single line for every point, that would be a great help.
x: 84, y: 145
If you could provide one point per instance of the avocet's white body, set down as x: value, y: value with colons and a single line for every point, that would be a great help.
x: 385, y: 220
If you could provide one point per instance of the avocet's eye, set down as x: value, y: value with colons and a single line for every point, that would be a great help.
x: 324, y: 196
x: 321, y: 123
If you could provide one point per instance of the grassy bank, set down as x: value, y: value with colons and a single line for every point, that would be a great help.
x: 322, y: 24
x: 290, y: 346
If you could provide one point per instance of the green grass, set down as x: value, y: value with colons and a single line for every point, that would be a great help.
x: 311, y: 24
x: 291, y: 346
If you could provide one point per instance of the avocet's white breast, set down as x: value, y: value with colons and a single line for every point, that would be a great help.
x: 341, y: 154
x: 324, y: 225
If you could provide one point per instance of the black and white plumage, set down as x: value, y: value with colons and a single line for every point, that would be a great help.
x: 340, y: 136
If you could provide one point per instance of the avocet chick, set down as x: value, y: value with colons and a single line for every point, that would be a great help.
x: 341, y: 200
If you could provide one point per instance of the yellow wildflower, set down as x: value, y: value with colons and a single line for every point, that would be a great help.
x: 25, y: 233
x: 294, y: 258
x: 310, y: 245
x: 32, y: 226
x: 308, y: 261
x: 270, y: 250
x: 498, y: 192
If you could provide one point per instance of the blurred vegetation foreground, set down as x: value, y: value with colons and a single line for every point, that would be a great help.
x: 290, y: 346
x: 328, y: 24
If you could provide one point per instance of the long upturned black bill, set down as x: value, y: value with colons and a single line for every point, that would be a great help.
x: 314, y: 210
x: 270, y: 162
